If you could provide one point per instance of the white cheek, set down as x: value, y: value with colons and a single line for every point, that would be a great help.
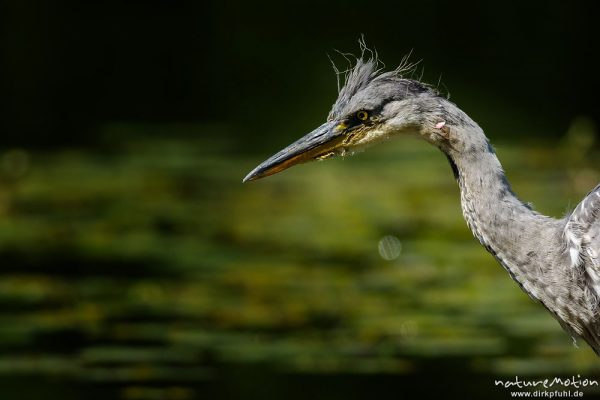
x: 370, y: 138
x: 374, y: 136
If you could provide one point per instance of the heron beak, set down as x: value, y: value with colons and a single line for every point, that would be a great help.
x: 320, y: 143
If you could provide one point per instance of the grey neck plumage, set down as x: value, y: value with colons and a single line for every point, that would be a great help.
x: 509, y: 229
x: 534, y: 249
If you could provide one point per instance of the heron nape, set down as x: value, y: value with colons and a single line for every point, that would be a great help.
x: 555, y: 261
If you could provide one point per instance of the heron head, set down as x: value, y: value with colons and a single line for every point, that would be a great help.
x: 371, y: 106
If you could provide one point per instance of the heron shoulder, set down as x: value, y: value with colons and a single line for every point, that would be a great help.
x: 582, y: 234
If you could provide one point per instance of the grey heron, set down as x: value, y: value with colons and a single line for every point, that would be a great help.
x: 555, y: 261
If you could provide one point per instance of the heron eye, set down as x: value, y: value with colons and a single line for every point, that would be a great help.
x: 362, y: 115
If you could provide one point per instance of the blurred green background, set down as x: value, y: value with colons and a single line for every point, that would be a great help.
x: 135, y: 265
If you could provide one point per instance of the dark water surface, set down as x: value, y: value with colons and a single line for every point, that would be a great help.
x: 149, y: 271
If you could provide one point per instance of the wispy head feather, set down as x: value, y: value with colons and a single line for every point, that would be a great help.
x: 366, y: 70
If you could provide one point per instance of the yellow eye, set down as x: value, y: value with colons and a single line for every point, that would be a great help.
x: 362, y: 115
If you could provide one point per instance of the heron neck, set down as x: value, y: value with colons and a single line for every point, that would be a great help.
x: 497, y: 218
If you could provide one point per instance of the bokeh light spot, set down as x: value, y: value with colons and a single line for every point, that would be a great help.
x: 389, y: 247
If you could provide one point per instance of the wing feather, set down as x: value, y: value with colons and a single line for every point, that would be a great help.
x: 583, y: 235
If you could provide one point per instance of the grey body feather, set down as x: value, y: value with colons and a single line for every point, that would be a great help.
x: 555, y: 261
